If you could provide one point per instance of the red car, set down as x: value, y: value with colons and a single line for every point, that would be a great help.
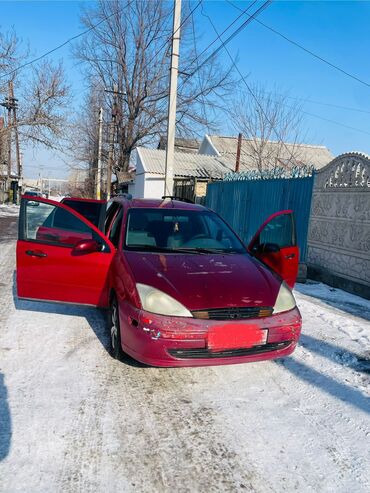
x: 182, y: 288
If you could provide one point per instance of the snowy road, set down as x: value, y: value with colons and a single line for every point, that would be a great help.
x: 74, y: 420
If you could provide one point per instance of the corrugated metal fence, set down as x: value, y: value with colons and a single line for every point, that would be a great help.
x: 245, y: 204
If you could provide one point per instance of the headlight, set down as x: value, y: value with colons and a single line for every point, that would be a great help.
x: 285, y: 300
x: 156, y: 301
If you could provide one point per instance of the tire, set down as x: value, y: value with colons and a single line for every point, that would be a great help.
x: 114, y: 329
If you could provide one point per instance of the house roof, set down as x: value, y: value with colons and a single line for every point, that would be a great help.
x: 185, y: 164
x: 274, y: 153
x: 181, y: 145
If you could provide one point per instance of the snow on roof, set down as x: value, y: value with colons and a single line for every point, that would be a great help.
x: 185, y: 164
x: 310, y: 155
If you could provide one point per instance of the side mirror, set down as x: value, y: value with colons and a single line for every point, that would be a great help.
x: 85, y: 247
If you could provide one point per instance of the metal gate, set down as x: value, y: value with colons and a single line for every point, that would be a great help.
x: 185, y: 188
x: 245, y: 204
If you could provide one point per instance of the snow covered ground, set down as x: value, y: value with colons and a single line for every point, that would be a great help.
x: 74, y: 420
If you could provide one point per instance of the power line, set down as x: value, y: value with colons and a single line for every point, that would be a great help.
x: 224, y: 31
x: 199, y: 79
x: 237, y: 31
x: 315, y: 55
x: 260, y: 106
x: 63, y: 44
x: 180, y: 26
x: 311, y: 101
x: 332, y: 105
x: 169, y: 38
x: 250, y: 89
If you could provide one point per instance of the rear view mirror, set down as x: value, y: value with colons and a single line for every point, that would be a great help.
x: 85, y: 247
x: 266, y: 248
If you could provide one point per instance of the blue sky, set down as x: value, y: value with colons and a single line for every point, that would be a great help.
x: 338, y: 31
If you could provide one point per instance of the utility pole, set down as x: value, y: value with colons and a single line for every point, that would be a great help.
x: 112, y: 133
x: 100, y: 150
x: 10, y: 103
x: 41, y: 167
x: 17, y: 152
x: 9, y: 108
x: 171, y: 128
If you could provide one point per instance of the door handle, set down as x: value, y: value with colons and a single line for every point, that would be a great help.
x: 32, y: 253
x: 288, y: 257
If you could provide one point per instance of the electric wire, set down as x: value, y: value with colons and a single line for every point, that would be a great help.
x: 234, y: 33
x: 63, y: 44
x: 260, y: 106
x: 223, y: 32
x: 250, y: 89
x: 199, y: 78
x: 298, y: 45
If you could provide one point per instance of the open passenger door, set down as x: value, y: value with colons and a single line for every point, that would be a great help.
x: 275, y: 244
x: 61, y: 256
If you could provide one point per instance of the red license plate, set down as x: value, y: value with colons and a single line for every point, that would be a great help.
x: 235, y: 336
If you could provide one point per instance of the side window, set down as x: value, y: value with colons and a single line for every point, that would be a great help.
x: 109, y: 215
x: 47, y: 223
x: 279, y: 231
x: 115, y: 230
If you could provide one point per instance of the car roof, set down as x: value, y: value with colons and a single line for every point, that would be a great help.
x: 159, y: 204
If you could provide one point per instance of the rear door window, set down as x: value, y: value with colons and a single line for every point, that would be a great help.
x: 93, y: 211
x: 47, y: 223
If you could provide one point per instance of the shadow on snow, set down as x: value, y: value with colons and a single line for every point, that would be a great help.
x: 96, y: 318
x: 338, y: 355
x: 5, y: 420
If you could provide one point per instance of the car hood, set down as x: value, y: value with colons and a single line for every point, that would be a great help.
x: 203, y: 281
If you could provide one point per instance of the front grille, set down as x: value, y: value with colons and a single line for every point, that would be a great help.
x: 233, y: 313
x: 198, y: 353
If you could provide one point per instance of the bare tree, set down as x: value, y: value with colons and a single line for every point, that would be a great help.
x: 42, y: 119
x: 272, y: 128
x: 11, y: 54
x: 130, y: 48
x: 83, y: 136
x: 42, y: 97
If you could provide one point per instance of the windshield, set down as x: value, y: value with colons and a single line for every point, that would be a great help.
x: 180, y: 231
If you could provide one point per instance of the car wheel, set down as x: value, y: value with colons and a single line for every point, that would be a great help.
x: 115, y: 334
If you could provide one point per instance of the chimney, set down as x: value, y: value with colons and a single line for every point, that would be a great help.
x: 237, y: 164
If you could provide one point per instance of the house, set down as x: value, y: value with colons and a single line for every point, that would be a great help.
x: 192, y: 172
x: 215, y: 157
x: 271, y: 154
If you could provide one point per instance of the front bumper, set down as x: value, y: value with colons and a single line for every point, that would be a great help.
x: 158, y: 340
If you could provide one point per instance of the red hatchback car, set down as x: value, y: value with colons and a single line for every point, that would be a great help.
x: 182, y: 288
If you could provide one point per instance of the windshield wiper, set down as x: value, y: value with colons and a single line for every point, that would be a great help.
x: 195, y: 250
x: 207, y: 250
x: 148, y: 248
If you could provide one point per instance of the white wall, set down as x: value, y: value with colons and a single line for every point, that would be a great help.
x: 147, y: 186
x: 154, y: 186
x: 137, y: 191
